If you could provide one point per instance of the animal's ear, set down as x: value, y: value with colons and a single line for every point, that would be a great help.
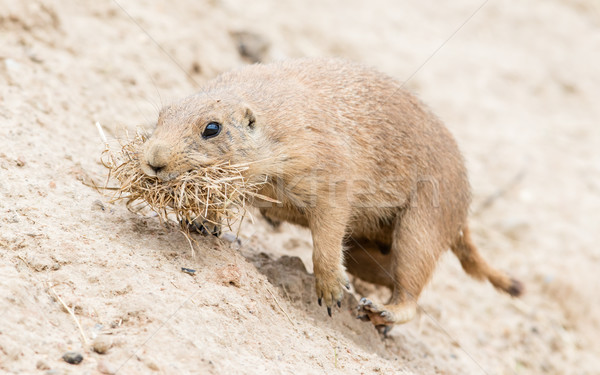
x: 249, y: 116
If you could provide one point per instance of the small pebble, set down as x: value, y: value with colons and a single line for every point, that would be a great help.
x: 98, y: 205
x: 42, y: 365
x: 189, y: 271
x: 20, y: 162
x: 73, y: 358
x: 251, y: 46
x: 101, y: 344
x: 12, y: 65
x: 230, y: 237
x: 107, y: 368
x: 151, y: 365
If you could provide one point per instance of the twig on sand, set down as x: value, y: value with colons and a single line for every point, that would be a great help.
x: 278, y: 305
x: 102, y: 135
x: 70, y: 311
x: 335, y: 359
x: 187, y: 237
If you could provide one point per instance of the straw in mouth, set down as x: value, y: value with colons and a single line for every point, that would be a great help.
x: 214, y: 195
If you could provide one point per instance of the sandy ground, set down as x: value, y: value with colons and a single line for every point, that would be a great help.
x: 518, y: 85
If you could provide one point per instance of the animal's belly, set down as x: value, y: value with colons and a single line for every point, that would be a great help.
x: 373, y: 223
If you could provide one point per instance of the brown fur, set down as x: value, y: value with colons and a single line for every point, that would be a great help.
x: 350, y: 155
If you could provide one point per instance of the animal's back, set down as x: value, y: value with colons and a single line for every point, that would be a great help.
x: 358, y: 124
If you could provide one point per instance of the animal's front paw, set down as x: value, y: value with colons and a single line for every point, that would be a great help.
x: 330, y: 287
x: 205, y: 228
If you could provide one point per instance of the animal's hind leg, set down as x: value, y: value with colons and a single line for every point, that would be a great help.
x: 416, y: 248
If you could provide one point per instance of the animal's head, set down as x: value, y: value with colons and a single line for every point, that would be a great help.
x: 201, y: 130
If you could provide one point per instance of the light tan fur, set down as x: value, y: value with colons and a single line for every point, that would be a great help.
x: 349, y: 154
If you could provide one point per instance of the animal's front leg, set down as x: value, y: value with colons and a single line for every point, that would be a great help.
x: 328, y: 227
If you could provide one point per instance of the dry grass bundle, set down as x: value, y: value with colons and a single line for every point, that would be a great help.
x: 217, y: 194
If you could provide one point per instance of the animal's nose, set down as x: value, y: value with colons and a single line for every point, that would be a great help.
x: 156, y: 169
x: 157, y: 156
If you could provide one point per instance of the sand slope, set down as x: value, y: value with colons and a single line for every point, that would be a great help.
x: 517, y: 84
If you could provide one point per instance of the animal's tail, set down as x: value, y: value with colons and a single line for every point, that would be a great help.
x: 474, y: 264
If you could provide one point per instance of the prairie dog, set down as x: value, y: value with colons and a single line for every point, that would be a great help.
x: 350, y: 154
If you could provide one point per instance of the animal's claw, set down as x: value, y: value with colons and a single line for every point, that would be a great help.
x: 369, y: 311
x: 364, y: 318
x: 204, y: 228
x: 330, y: 288
x: 383, y: 329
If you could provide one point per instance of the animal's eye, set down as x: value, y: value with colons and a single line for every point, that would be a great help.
x: 211, y: 130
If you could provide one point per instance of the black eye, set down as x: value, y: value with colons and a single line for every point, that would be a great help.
x: 211, y: 130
